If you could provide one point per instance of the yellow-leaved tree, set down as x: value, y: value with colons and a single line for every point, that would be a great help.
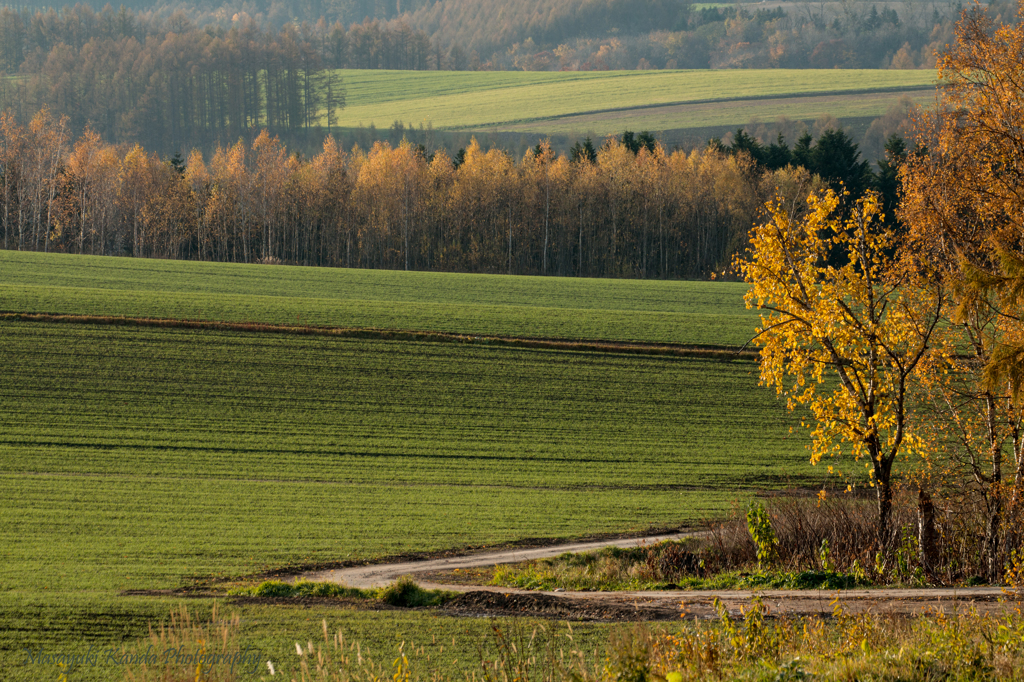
x: 963, y: 204
x: 841, y: 333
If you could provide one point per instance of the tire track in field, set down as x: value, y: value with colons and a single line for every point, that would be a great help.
x: 231, y: 478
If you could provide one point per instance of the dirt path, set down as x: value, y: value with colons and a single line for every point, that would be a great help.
x: 380, y: 575
x: 662, y: 605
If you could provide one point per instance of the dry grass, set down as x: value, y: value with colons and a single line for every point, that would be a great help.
x: 185, y: 648
x: 961, y: 646
x: 829, y: 543
x: 839, y: 533
x: 803, y: 526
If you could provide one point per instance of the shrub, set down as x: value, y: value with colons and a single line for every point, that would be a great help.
x: 405, y: 592
x: 300, y: 588
x: 761, y: 532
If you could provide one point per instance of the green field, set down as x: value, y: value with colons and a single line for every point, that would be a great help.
x: 698, y: 313
x: 144, y: 458
x: 155, y: 455
x: 726, y: 114
x: 604, y: 102
x: 319, y: 440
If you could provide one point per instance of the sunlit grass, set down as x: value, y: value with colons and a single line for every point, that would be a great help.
x: 705, y: 313
x: 473, y: 100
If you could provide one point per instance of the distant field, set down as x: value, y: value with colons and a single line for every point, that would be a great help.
x: 731, y: 113
x: 699, y: 313
x: 599, y: 101
x: 136, y: 458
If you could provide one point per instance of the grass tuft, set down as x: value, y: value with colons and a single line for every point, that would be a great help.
x: 403, y: 592
x: 190, y: 648
x: 406, y: 593
x: 300, y: 588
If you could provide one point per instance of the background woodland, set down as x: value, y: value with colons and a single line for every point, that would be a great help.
x: 173, y: 77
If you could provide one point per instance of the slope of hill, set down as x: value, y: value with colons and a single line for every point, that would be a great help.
x: 609, y: 102
x: 692, y: 313
x: 141, y: 459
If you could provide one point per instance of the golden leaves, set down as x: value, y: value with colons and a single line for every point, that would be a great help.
x: 835, y: 312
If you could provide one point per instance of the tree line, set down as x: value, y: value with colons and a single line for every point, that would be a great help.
x: 27, y: 37
x: 622, y: 211
x: 645, y: 34
x: 171, y: 89
x: 540, y: 35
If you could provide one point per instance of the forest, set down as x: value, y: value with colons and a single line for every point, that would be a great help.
x: 627, y: 208
x: 174, y: 77
x: 178, y: 89
x: 171, y: 80
x: 533, y: 34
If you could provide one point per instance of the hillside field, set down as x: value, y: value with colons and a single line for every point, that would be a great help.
x: 146, y: 458
x: 692, y: 313
x: 607, y: 102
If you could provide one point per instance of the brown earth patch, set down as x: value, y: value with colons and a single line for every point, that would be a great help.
x: 490, y: 604
x: 459, y: 576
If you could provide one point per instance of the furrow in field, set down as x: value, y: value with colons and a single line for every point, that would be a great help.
x: 667, y: 312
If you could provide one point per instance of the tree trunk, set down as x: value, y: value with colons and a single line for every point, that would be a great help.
x: 884, y: 491
x: 927, y: 538
x: 547, y: 206
x: 992, y: 540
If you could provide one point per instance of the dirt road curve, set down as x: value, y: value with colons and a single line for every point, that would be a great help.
x: 384, y: 574
x: 662, y: 605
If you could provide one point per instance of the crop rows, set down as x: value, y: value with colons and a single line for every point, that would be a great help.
x: 699, y: 313
x: 141, y: 457
x: 297, y: 447
x: 137, y: 458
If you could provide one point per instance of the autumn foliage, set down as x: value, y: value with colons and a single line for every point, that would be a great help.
x: 964, y: 204
x: 912, y: 343
x: 843, y: 339
x: 643, y: 214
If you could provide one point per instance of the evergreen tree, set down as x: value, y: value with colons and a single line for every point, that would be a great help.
x: 177, y: 163
x: 777, y: 154
x: 835, y: 158
x: 888, y: 176
x: 585, y: 152
x: 742, y: 142
x: 635, y: 143
x: 802, y: 151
